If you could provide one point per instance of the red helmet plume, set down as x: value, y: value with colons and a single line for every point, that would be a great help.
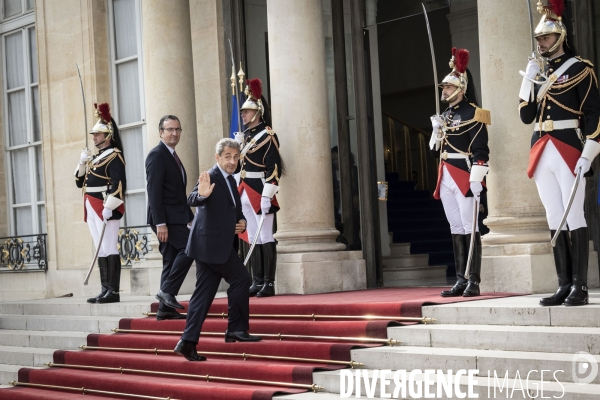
x: 255, y: 87
x: 103, y: 111
x: 557, y: 7
x: 461, y: 60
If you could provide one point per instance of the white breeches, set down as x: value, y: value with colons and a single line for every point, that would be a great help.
x: 458, y: 208
x: 111, y: 233
x: 554, y: 181
x: 253, y: 219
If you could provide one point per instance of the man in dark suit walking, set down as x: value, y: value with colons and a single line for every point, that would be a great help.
x: 213, y: 244
x: 169, y: 214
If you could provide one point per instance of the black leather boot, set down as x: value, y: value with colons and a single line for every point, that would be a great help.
x: 581, y: 252
x: 460, y: 263
x: 103, y: 267
x: 114, y: 280
x: 472, y: 289
x: 270, y: 263
x: 564, y: 270
x: 256, y: 266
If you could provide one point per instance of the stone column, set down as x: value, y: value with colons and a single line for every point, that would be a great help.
x: 168, y: 73
x: 517, y: 252
x: 310, y: 259
x: 212, y: 68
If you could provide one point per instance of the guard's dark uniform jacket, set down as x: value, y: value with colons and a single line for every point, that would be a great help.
x: 467, y: 136
x: 572, y: 96
x: 104, y: 177
x: 263, y: 159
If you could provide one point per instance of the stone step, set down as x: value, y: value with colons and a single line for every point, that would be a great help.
x: 406, y: 260
x: 518, y: 310
x: 399, y: 249
x: 411, y: 357
x: 400, y: 274
x: 130, y: 306
x: 25, y: 356
x: 61, y: 323
x: 483, y: 387
x: 547, y: 339
x: 43, y: 339
x: 9, y: 373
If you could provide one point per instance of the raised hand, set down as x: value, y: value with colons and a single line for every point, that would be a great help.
x: 205, y: 188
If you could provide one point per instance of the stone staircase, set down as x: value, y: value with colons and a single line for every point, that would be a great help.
x: 511, y: 334
x: 30, y: 331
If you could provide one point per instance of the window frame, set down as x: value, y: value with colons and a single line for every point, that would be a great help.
x: 114, y: 88
x: 24, y: 24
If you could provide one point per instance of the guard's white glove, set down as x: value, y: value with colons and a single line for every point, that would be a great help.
x: 239, y: 137
x: 84, y: 157
x: 533, y: 69
x: 106, y: 213
x: 584, y: 164
x: 436, y: 123
x: 265, y: 204
x: 476, y: 188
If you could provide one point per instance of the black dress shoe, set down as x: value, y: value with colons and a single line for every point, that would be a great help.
x: 110, y: 297
x: 160, y: 315
x: 472, y: 289
x: 188, y: 350
x: 456, y: 291
x: 240, y: 336
x: 168, y: 299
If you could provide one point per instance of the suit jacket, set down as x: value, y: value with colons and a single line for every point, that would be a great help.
x: 212, y: 234
x: 167, y: 196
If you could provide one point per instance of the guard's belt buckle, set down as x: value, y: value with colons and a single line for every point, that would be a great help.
x: 243, y: 174
x: 444, y: 155
x: 548, y: 125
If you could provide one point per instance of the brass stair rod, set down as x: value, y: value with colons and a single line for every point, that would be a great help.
x: 88, y: 391
x: 245, y: 356
x: 208, y: 378
x: 425, y: 320
x: 279, y: 336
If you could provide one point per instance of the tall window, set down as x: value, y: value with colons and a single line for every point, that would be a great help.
x: 22, y: 131
x: 128, y: 102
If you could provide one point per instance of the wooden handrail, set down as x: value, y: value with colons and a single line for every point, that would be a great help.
x: 427, y: 134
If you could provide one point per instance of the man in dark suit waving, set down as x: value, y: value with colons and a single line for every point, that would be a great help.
x: 169, y: 214
x: 213, y: 244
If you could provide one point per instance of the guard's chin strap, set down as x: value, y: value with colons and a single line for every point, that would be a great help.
x: 558, y: 42
x: 255, y: 115
x: 453, y: 95
x: 108, y: 137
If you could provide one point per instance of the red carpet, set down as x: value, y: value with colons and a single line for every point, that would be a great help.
x: 390, y: 302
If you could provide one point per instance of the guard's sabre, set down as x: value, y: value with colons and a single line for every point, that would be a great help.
x: 237, y: 100
x: 260, y: 224
x: 84, y: 109
x: 473, y: 233
x: 87, y: 277
x: 566, y: 214
x: 435, y: 78
x: 533, y: 43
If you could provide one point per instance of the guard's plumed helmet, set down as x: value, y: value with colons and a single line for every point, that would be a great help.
x: 254, y: 102
x: 106, y: 124
x: 458, y: 76
x: 551, y: 21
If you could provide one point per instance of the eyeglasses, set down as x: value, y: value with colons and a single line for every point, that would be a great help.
x: 171, y: 130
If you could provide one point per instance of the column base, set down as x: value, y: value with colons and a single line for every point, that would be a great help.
x: 308, y: 241
x: 526, y: 268
x: 320, y: 272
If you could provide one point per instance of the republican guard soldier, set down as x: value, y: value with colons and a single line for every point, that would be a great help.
x: 559, y: 93
x: 260, y: 170
x: 460, y: 136
x: 102, y: 180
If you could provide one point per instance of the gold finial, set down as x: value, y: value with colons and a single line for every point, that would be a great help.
x: 540, y: 7
x: 241, y: 75
x: 232, y: 79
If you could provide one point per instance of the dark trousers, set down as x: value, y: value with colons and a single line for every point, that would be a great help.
x: 175, y: 263
x: 208, y: 278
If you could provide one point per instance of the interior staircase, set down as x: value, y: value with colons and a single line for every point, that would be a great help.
x: 422, y: 245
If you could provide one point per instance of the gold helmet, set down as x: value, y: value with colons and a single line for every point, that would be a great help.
x: 551, y: 21
x: 254, y: 102
x: 458, y: 76
x: 105, y: 121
